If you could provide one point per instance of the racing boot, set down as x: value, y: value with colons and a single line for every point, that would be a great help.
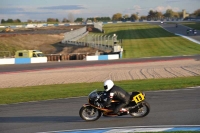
x: 123, y: 111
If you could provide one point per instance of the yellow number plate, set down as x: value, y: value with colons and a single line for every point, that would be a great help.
x: 138, y: 98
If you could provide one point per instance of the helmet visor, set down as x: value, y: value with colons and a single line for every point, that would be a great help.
x: 105, y: 87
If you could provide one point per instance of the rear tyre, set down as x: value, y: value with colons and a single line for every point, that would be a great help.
x: 89, y: 113
x: 142, y: 111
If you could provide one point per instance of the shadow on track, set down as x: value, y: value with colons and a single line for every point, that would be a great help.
x: 39, y: 119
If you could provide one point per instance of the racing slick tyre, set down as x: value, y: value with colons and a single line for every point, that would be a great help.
x: 142, y: 111
x: 89, y: 113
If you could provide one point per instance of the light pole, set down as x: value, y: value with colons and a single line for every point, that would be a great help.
x: 114, y: 39
x: 108, y: 39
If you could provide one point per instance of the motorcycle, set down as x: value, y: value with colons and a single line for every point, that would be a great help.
x: 93, y: 110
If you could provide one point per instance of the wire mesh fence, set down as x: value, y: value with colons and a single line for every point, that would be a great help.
x: 83, y: 38
x: 101, y: 42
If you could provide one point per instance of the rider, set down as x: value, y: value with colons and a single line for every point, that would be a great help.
x: 114, y: 92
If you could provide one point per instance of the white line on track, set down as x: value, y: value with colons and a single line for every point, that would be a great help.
x: 153, y: 128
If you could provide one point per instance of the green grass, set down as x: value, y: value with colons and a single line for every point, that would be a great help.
x: 194, y: 25
x: 45, y: 92
x: 175, y: 132
x: 145, y: 40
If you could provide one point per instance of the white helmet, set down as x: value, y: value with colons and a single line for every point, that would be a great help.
x: 108, y: 84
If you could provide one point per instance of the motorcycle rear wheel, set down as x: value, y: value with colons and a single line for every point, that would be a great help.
x: 141, y: 112
x: 89, y: 113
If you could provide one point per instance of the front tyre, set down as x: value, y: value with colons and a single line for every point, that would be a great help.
x: 142, y: 111
x: 89, y: 113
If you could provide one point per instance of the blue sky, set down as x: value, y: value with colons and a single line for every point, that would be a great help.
x: 43, y: 9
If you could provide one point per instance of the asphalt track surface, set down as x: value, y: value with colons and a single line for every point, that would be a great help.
x: 81, y: 63
x: 175, y: 107
x: 180, y: 29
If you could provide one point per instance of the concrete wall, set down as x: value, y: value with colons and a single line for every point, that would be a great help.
x: 22, y: 60
x: 102, y: 57
x: 7, y: 61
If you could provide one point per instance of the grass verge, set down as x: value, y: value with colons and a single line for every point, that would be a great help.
x: 175, y: 132
x: 45, y: 92
x: 194, y: 25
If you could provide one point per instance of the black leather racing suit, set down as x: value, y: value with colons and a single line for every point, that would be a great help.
x: 117, y: 93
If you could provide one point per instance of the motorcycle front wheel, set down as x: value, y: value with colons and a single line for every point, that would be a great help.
x: 89, y: 113
x: 142, y: 111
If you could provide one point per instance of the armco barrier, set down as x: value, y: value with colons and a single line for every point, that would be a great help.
x: 22, y: 60
x: 102, y: 57
x: 4, y: 61
x: 2, y: 26
x: 39, y: 60
x: 7, y: 61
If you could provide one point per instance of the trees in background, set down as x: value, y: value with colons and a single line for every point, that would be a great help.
x: 134, y: 17
x: 52, y: 20
x: 143, y: 18
x: 3, y: 21
x: 99, y: 19
x: 152, y: 15
x: 103, y: 19
x: 197, y: 13
x: 79, y: 20
x: 65, y: 20
x: 126, y: 17
x: 10, y: 21
x: 169, y: 13
x: 117, y: 17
